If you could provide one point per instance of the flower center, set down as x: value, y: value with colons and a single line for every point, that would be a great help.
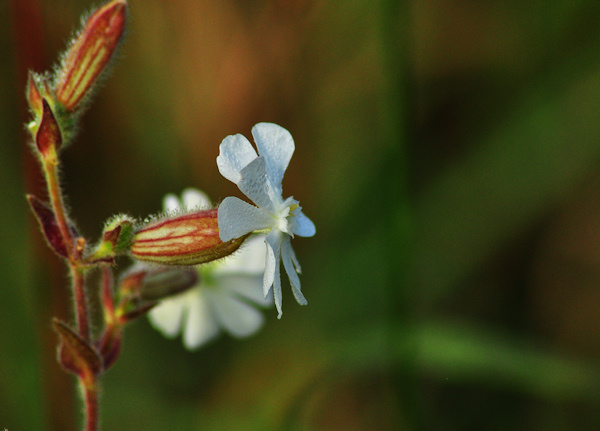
x: 285, y: 215
x: 282, y: 219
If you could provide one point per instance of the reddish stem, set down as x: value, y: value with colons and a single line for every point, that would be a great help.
x: 91, y: 406
x: 80, y: 302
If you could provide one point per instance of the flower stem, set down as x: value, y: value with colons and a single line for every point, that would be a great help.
x: 91, y: 405
x: 74, y: 247
x: 80, y: 302
x: 51, y: 171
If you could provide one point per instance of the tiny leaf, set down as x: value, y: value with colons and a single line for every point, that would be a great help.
x: 47, y: 220
x: 75, y: 354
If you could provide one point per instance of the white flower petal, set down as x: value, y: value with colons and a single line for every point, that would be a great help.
x: 171, y: 203
x: 302, y: 225
x: 247, y: 287
x: 277, y: 290
x: 200, y: 326
x: 235, y: 152
x: 255, y: 184
x: 237, y: 218
x: 276, y: 145
x: 271, y: 259
x: 248, y: 260
x: 194, y: 199
x: 295, y: 260
x: 236, y: 317
x: 272, y: 271
x: 286, y: 255
x: 166, y: 317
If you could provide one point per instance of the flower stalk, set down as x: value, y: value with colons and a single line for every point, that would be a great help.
x: 188, y: 235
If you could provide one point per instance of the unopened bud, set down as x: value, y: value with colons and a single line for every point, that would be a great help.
x: 162, y: 283
x: 110, y: 347
x: 90, y: 54
x: 188, y: 239
x: 34, y: 98
x: 116, y: 238
x: 155, y: 283
x: 48, y: 137
x: 142, y: 286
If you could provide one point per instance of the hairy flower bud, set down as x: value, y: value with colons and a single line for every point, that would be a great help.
x: 89, y: 54
x: 188, y: 239
x: 48, y: 137
x: 155, y: 283
x: 34, y: 98
x: 162, y: 283
x: 116, y: 238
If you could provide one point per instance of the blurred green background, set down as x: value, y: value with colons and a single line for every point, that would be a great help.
x: 448, y: 153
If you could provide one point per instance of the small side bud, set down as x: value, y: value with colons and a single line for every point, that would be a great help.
x: 188, y: 239
x: 74, y: 354
x: 47, y: 221
x: 116, y: 238
x: 48, y: 137
x: 90, y: 54
x: 34, y: 98
x: 111, y: 354
x: 109, y: 345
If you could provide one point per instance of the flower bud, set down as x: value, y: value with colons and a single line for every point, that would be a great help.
x: 188, y: 239
x: 34, y: 98
x: 48, y: 137
x: 89, y: 54
x: 110, y: 348
x: 162, y: 283
x: 154, y: 283
x: 142, y: 286
x: 116, y: 238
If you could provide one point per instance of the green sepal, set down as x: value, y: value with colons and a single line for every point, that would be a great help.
x: 117, y: 238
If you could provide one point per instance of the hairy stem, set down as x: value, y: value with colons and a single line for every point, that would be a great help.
x: 80, y: 302
x: 74, y: 247
x: 51, y: 171
x: 91, y: 405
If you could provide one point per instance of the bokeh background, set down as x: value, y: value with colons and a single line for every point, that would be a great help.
x: 449, y: 155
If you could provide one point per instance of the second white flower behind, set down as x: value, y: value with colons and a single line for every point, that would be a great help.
x: 226, y: 297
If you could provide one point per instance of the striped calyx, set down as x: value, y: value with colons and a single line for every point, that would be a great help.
x: 188, y: 239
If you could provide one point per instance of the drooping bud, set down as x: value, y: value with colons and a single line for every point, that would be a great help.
x: 48, y: 137
x: 137, y: 312
x: 155, y: 283
x: 188, y: 239
x: 89, y: 54
x: 74, y: 354
x: 47, y: 221
x: 161, y: 283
